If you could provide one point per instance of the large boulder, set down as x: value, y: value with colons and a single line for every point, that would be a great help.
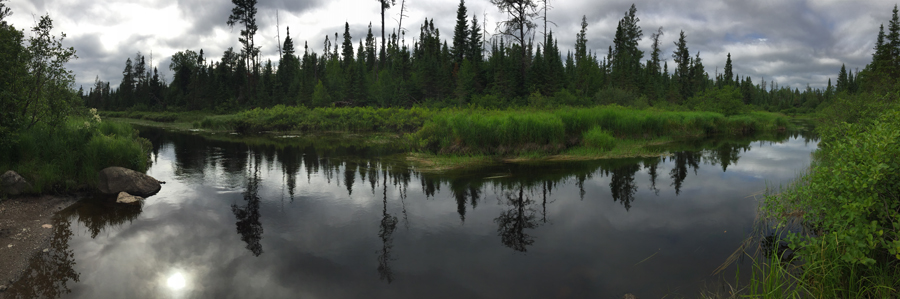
x: 118, y: 179
x: 124, y: 197
x: 13, y: 184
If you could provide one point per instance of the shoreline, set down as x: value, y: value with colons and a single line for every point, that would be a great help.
x: 24, y: 232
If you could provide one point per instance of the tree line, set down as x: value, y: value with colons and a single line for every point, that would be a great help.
x: 512, y: 68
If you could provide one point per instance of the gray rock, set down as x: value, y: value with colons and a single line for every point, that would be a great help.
x: 118, y: 179
x: 124, y: 197
x: 13, y: 184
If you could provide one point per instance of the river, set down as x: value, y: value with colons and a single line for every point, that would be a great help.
x: 328, y: 217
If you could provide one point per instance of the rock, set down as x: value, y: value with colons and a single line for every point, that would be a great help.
x: 629, y: 296
x: 2, y: 288
x: 118, y: 179
x: 124, y: 197
x: 13, y: 184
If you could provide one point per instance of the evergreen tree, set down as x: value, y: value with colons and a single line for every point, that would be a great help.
x: 682, y: 74
x: 699, y: 79
x: 126, y: 88
x: 893, y: 42
x: 729, y: 74
x: 519, y: 24
x: 244, y: 13
x: 842, y: 82
x: 460, y: 35
x: 626, y: 58
x: 370, y: 50
x: 288, y: 73
x: 347, y: 47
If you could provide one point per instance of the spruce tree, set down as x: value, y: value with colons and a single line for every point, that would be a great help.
x: 682, y: 74
x: 893, y: 41
x: 729, y: 74
x: 460, y: 34
x: 842, y: 83
x: 626, y: 57
x: 347, y: 47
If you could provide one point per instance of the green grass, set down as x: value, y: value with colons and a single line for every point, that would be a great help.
x: 599, y: 139
x: 69, y: 157
x: 515, y: 131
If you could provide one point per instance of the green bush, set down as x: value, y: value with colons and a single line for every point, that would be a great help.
x: 851, y: 194
x: 53, y: 158
x: 598, y: 138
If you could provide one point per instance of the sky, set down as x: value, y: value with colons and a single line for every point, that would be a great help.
x: 791, y: 42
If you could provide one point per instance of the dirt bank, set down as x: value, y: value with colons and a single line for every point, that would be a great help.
x: 25, y: 229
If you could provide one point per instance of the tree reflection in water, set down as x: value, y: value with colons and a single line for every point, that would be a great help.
x: 682, y: 161
x: 513, y: 222
x: 622, y: 184
x: 386, y: 232
x: 248, y: 224
x: 49, y: 272
x: 99, y: 213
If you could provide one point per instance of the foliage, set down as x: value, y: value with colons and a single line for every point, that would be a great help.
x: 598, y: 138
x: 62, y: 158
x: 851, y: 196
x: 491, y: 131
x: 725, y: 100
x: 497, y: 131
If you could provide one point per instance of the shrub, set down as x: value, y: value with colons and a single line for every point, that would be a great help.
x: 598, y: 138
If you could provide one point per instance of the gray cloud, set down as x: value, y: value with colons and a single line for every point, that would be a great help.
x: 795, y: 42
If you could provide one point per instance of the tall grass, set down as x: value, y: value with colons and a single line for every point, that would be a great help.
x: 495, y: 131
x: 492, y: 131
x: 64, y: 158
x: 354, y: 119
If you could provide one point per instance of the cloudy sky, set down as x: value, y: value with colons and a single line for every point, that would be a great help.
x: 793, y: 42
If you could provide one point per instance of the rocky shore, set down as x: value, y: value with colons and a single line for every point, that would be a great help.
x: 25, y: 229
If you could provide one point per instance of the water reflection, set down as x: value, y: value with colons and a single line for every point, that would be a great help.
x: 386, y: 233
x: 49, y: 272
x: 101, y: 212
x: 513, y: 222
x: 248, y: 224
x: 344, y: 221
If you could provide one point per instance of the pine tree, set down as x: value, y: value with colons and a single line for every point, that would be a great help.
x: 626, y: 58
x: 370, y: 50
x: 460, y: 35
x: 682, y: 74
x: 729, y: 74
x: 699, y: 78
x: 347, y: 47
x: 893, y: 41
x: 842, y: 83
x: 126, y: 88
x: 288, y: 72
x: 244, y: 12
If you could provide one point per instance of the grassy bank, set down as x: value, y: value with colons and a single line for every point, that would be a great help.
x: 69, y: 157
x: 842, y: 217
x: 472, y: 133
x: 516, y: 132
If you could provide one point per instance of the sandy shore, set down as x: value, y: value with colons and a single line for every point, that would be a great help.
x: 25, y: 229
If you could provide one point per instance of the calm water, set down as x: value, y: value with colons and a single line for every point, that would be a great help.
x: 329, y: 218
